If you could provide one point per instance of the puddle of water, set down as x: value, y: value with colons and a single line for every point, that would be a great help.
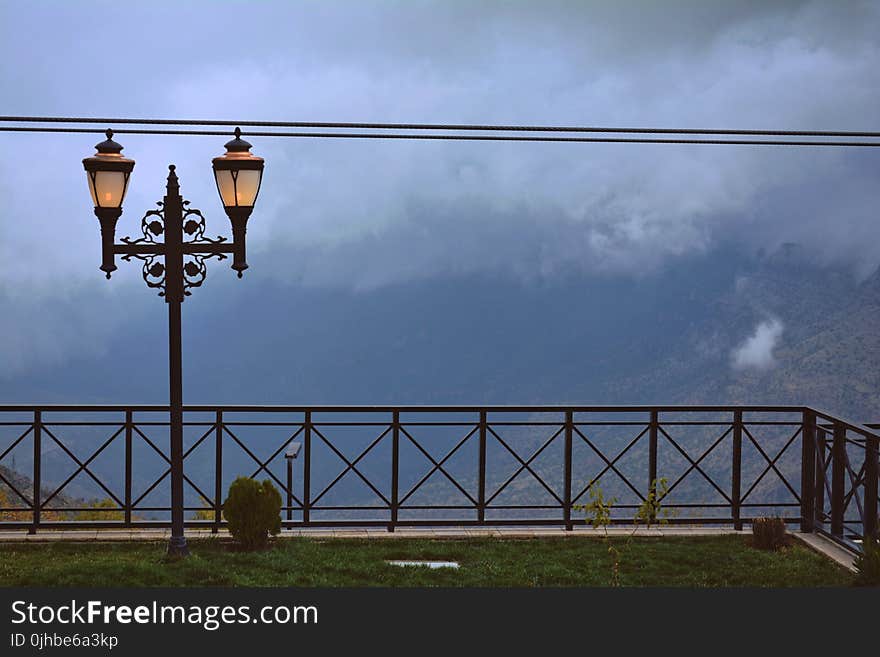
x: 425, y: 564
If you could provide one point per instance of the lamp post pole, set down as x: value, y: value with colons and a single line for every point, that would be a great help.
x: 173, y: 205
x: 177, y: 263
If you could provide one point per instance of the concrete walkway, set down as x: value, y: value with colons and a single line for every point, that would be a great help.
x: 829, y: 548
x: 813, y: 541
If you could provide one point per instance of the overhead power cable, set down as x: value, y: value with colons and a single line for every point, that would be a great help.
x: 343, y: 131
x: 449, y: 137
x: 436, y: 126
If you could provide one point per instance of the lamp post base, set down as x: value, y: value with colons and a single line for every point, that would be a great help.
x: 177, y: 547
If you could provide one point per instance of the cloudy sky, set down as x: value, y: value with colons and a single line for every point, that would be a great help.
x: 363, y: 214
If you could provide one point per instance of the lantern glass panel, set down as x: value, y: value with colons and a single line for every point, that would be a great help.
x: 247, y: 186
x: 238, y: 188
x: 108, y: 188
x: 226, y: 187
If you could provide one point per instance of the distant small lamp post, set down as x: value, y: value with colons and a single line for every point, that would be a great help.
x: 291, y: 454
x: 176, y: 264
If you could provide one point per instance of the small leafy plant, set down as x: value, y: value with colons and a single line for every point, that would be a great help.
x: 769, y: 533
x: 598, y: 514
x: 253, y: 511
x: 651, y: 511
x: 598, y: 509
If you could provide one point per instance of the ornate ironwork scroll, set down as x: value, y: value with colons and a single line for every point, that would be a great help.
x: 194, y: 269
x: 153, y: 270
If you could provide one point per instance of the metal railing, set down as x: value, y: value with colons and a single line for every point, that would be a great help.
x: 394, y: 466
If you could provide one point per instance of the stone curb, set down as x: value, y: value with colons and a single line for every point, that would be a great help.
x: 112, y: 535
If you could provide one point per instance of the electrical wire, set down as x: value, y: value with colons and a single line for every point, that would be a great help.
x: 436, y: 126
x: 343, y: 131
x: 452, y: 137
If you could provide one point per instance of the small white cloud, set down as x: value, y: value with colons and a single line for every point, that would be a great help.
x: 756, y: 352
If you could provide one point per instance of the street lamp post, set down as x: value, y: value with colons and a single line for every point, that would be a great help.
x: 176, y: 264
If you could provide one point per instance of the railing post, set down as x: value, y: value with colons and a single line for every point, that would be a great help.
x: 128, y: 430
x: 736, y: 471
x: 872, y: 445
x: 569, y: 426
x: 307, y: 465
x: 395, y: 467
x: 808, y: 470
x: 38, y: 420
x: 218, y: 471
x: 837, y: 483
x: 289, y: 489
x: 481, y: 490
x: 819, y: 485
x: 652, y: 450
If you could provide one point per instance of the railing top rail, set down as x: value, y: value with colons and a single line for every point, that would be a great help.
x: 863, y: 429
x: 852, y: 426
x: 420, y: 408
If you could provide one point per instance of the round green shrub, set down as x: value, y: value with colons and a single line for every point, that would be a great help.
x: 769, y: 533
x: 253, y: 511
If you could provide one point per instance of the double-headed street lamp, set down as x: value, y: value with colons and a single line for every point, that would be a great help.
x: 177, y: 263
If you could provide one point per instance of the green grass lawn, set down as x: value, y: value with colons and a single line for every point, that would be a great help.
x: 667, y: 561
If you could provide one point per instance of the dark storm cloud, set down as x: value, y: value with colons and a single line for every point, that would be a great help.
x: 368, y: 213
